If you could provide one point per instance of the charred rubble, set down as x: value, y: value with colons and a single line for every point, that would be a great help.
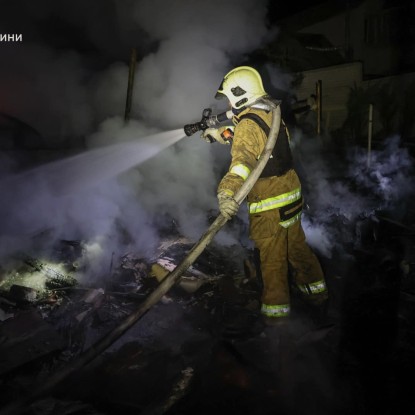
x: 203, y: 347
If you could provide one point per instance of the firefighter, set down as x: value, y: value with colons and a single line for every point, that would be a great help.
x: 275, y: 201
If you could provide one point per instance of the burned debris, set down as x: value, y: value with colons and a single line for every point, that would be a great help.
x: 202, y: 345
x: 206, y: 330
x: 64, y: 317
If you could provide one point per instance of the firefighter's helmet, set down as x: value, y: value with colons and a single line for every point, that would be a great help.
x: 242, y: 86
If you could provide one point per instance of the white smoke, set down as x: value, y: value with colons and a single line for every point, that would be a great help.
x: 279, y: 79
x: 387, y: 173
x: 61, y: 94
x: 195, y: 48
x: 67, y: 93
x: 190, y: 47
x: 339, y: 193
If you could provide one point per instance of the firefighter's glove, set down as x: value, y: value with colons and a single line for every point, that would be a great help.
x: 214, y: 134
x: 227, y: 205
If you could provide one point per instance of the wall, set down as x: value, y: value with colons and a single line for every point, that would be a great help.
x: 336, y: 83
x: 377, y: 54
x: 397, y: 108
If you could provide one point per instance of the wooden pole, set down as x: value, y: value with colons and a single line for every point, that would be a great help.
x: 319, y: 105
x: 369, y: 134
x: 130, y: 87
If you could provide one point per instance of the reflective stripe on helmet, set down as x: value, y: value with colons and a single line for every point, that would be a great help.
x: 313, y: 288
x: 282, y: 310
x: 275, y: 202
x: 241, y: 170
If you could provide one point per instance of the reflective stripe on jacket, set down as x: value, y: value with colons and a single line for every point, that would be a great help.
x: 289, y: 199
x: 249, y: 141
x: 275, y: 202
x: 241, y: 171
x: 268, y: 193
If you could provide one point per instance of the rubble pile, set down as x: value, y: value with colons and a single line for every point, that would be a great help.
x: 49, y: 318
x: 203, y: 347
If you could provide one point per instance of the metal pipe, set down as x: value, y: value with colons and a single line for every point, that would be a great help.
x: 369, y: 134
x: 168, y: 282
x: 130, y: 87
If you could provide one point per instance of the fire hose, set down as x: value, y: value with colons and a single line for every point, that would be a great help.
x: 168, y: 282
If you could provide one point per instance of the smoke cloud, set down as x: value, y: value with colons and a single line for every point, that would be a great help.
x: 340, y: 193
x: 69, y: 83
x: 196, y: 46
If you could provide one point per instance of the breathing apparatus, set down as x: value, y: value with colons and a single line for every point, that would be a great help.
x: 210, y: 121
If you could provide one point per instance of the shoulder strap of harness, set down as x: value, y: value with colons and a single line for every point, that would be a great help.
x: 263, y: 124
x: 256, y: 118
x: 281, y: 159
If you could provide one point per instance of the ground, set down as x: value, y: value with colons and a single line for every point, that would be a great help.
x: 207, y: 350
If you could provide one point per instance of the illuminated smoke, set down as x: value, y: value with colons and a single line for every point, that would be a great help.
x: 195, y: 49
x: 338, y: 197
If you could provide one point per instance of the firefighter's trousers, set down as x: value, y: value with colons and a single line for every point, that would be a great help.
x: 288, y: 246
x: 282, y: 247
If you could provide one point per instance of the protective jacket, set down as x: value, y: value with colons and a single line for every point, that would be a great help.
x: 274, y: 205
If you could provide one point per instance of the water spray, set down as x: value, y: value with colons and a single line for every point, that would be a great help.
x: 88, y: 169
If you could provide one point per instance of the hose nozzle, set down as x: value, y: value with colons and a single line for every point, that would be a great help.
x: 190, y: 129
x: 202, y: 125
x: 207, y: 121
